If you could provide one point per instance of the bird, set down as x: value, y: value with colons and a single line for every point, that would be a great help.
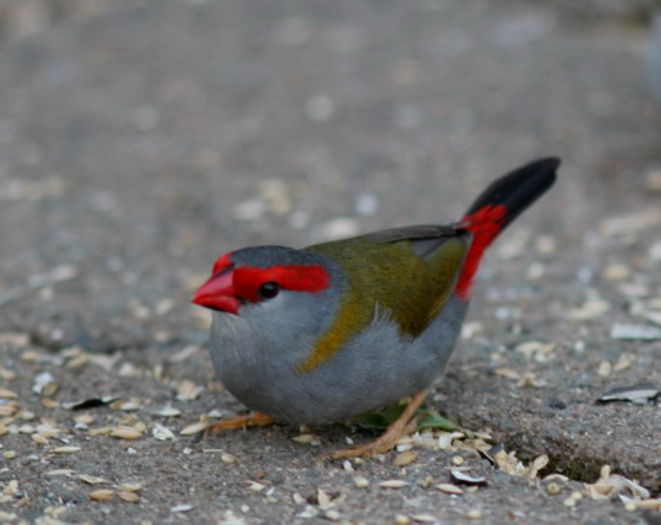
x: 328, y: 332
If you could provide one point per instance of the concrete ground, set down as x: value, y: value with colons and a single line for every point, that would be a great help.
x: 138, y: 144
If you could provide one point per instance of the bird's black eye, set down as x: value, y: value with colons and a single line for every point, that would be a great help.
x: 269, y: 290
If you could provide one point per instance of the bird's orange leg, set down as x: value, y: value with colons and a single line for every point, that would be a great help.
x: 386, y: 441
x: 253, y: 419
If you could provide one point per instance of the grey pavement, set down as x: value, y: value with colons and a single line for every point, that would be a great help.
x: 138, y: 144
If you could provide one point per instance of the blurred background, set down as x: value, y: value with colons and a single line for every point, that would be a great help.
x: 140, y: 139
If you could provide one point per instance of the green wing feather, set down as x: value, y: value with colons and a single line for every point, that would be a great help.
x: 408, y: 273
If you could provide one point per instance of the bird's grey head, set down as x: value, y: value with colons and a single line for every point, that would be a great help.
x: 277, y: 292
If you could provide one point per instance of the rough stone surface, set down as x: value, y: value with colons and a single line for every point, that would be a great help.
x: 137, y: 145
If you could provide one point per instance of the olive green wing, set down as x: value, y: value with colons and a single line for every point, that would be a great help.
x: 406, y: 273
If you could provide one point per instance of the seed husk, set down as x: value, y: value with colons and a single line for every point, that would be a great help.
x: 102, y: 495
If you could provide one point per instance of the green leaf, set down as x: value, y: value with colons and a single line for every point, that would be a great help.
x: 381, y: 419
x: 432, y: 419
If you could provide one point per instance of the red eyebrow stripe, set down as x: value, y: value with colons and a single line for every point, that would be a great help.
x: 222, y: 263
x: 299, y: 278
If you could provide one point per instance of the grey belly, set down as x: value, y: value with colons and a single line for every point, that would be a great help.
x: 376, y: 369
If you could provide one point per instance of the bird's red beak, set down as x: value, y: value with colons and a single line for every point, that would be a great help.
x: 218, y: 294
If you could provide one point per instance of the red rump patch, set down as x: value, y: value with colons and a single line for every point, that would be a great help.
x: 246, y: 280
x: 485, y: 225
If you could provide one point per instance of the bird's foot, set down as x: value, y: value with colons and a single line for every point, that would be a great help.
x: 389, y: 439
x: 252, y: 419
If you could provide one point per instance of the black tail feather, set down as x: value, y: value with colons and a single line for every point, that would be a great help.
x: 518, y: 189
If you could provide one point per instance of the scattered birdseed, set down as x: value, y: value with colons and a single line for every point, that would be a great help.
x: 228, y: 458
x: 60, y: 472
x: 555, y: 476
x: 131, y: 405
x: 361, y: 482
x: 400, y: 519
x: 183, y: 507
x: 569, y: 502
x: 39, y: 439
x: 169, y: 411
x: 576, y: 495
x: 5, y: 393
x: 332, y: 515
x: 393, y: 484
x: 92, y: 480
x: 194, y: 428
x: 347, y: 466
x: 405, y: 458
x: 610, y: 485
x: 129, y: 487
x: 449, y: 488
x: 538, y: 351
x: 49, y: 403
x: 125, y: 432
x: 457, y: 460
x: 101, y: 431
x: 323, y: 499
x: 162, y: 433
x: 312, y: 439
x: 553, y: 488
x: 624, y: 361
x: 605, y: 369
x: 68, y: 449
x: 102, y: 495
x: 474, y: 514
x: 255, y: 486
x: 187, y: 390
x: 42, y: 381
x: 470, y: 329
x: 9, y: 454
x: 129, y: 497
x: 651, y: 503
